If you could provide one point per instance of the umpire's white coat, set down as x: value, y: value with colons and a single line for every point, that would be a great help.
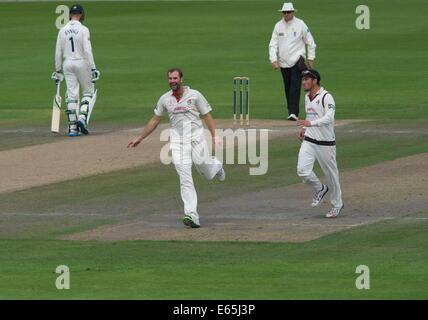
x: 288, y: 42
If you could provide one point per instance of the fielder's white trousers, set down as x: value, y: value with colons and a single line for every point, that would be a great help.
x: 326, y: 157
x: 78, y: 72
x: 184, y: 155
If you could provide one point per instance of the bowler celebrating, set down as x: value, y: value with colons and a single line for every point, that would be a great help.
x: 74, y: 46
x: 319, y: 142
x: 184, y: 107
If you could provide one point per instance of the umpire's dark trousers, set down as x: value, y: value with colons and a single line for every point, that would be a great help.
x: 292, y: 84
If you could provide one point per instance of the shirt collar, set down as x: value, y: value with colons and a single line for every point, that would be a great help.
x: 184, y: 91
x: 289, y: 22
x: 319, y: 91
x: 75, y: 21
x: 316, y: 94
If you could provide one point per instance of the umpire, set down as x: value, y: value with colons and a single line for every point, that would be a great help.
x: 287, y: 50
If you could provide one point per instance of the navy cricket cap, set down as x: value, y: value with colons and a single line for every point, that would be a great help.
x: 76, y: 8
x: 311, y: 73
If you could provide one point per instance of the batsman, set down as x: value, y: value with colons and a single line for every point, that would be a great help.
x: 74, y: 61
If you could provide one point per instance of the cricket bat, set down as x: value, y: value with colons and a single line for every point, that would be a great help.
x: 56, y: 109
x: 91, y: 106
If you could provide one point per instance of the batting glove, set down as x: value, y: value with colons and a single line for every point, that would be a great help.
x: 95, y: 75
x: 57, y: 76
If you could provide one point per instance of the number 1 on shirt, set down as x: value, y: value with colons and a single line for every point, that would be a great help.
x: 72, y: 44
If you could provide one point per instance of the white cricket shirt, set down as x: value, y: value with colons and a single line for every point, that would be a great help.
x: 288, y: 42
x: 184, y: 114
x: 73, y: 43
x: 321, y: 116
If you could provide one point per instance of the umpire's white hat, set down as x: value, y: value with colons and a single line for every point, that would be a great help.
x: 287, y: 6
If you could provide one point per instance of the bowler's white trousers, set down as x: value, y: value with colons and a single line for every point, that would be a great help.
x: 326, y: 157
x: 185, y: 154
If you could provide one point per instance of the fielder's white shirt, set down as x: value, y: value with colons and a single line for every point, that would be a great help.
x: 288, y: 42
x: 73, y: 43
x: 321, y: 117
x: 184, y: 115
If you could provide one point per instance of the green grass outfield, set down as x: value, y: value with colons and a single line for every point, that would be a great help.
x: 395, y: 252
x: 378, y: 73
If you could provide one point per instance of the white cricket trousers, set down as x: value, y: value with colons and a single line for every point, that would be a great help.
x: 184, y: 155
x: 326, y: 157
x: 78, y: 72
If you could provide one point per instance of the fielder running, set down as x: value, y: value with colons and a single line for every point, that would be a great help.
x: 188, y: 145
x: 319, y: 142
x: 74, y: 46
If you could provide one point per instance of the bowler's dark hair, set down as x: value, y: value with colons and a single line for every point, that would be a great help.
x: 180, y: 72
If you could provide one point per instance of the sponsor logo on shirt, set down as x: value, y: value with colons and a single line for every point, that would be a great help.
x: 180, y: 109
x: 311, y: 112
x: 331, y: 106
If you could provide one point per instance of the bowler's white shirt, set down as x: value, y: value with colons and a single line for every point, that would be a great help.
x: 321, y: 117
x: 288, y: 42
x: 73, y: 43
x: 184, y: 114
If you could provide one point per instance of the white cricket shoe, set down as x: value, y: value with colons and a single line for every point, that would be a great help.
x: 221, y: 175
x: 191, y: 221
x: 334, y: 212
x: 292, y: 117
x: 319, y: 195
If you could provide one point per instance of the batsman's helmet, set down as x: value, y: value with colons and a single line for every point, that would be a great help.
x: 77, y: 9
